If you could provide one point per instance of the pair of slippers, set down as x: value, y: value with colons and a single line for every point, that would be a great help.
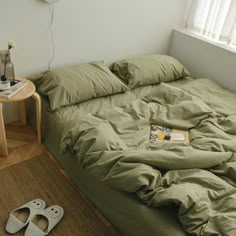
x: 38, y: 219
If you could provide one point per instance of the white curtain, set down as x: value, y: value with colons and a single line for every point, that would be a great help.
x: 214, y: 19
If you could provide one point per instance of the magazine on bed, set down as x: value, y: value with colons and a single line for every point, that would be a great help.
x: 18, y: 86
x: 164, y: 134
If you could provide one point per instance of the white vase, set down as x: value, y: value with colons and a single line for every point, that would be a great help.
x: 4, y: 85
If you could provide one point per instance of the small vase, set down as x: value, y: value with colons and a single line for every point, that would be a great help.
x: 6, y: 67
x: 10, y: 74
x: 2, y: 63
x: 4, y: 85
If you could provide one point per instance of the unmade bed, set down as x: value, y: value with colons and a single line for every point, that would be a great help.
x: 145, y: 188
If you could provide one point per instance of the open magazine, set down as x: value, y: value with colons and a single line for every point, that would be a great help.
x: 18, y: 85
x: 164, y: 134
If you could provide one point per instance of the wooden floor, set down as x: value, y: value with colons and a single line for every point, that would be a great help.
x: 22, y: 146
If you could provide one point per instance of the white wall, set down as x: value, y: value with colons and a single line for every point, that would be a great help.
x: 86, y: 30
x: 204, y: 59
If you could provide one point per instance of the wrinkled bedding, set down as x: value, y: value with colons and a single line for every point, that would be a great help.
x: 199, y: 177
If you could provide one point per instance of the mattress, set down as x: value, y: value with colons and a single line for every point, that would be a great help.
x: 130, y: 216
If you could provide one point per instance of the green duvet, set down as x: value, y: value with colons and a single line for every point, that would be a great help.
x: 199, y: 177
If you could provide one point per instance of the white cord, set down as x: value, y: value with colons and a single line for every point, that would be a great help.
x: 52, y: 8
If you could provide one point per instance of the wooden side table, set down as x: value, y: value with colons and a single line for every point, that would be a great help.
x: 26, y: 92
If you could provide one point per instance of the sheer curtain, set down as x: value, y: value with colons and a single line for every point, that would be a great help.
x: 214, y: 19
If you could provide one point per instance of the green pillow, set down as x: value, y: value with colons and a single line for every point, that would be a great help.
x: 148, y: 70
x: 74, y: 84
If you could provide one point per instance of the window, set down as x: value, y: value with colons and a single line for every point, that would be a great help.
x: 214, y: 19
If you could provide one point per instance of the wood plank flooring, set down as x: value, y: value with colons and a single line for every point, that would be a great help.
x: 22, y: 145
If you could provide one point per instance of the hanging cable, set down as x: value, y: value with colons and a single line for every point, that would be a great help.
x: 52, y: 9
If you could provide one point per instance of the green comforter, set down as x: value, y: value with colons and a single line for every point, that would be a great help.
x: 199, y: 177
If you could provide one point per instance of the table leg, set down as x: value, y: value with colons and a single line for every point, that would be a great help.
x: 3, y: 139
x: 38, y: 114
x: 23, y: 112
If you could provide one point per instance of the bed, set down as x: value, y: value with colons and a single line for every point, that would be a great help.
x: 124, y: 193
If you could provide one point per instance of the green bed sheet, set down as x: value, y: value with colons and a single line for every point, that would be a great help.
x: 198, y: 177
x: 158, y: 175
x: 130, y: 216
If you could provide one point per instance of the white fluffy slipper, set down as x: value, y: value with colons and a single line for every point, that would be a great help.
x: 43, y: 222
x: 20, y: 217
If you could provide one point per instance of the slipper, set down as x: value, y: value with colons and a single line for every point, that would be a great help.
x: 43, y: 222
x: 21, y: 216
